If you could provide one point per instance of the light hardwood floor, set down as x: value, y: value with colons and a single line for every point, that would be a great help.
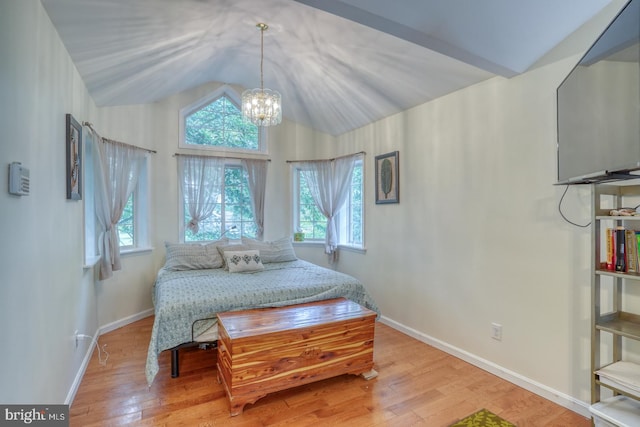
x: 417, y: 385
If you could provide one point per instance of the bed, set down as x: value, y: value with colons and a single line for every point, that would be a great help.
x: 251, y: 275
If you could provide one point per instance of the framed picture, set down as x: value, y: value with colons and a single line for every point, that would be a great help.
x: 387, y: 184
x: 74, y: 158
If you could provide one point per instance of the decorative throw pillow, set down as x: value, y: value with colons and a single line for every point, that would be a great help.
x: 280, y: 250
x: 193, y: 256
x: 222, y: 249
x: 240, y: 261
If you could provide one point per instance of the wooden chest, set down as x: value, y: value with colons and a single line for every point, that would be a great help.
x: 262, y: 351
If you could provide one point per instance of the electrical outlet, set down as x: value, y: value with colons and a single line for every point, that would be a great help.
x: 496, y: 331
x: 77, y: 338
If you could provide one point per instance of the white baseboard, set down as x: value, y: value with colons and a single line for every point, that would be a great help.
x: 83, y: 367
x: 124, y: 322
x: 542, y: 390
x: 101, y: 330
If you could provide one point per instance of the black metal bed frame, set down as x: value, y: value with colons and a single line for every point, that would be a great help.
x: 175, y: 358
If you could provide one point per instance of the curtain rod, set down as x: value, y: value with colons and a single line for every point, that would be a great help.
x: 324, y: 160
x: 221, y: 157
x: 117, y: 142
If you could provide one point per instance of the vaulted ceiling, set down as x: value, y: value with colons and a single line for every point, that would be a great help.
x: 339, y: 65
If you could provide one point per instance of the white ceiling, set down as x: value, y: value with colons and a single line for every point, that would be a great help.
x: 338, y: 64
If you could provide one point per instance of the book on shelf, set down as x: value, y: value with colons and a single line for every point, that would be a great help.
x: 620, y: 252
x: 610, y: 237
x: 638, y: 250
x: 631, y: 251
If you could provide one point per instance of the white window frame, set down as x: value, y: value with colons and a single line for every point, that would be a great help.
x: 181, y: 213
x: 342, y: 219
x: 91, y: 252
x: 235, y: 98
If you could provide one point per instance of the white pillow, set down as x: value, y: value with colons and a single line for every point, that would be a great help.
x: 240, y: 261
x: 280, y: 250
x: 193, y: 256
x: 222, y: 249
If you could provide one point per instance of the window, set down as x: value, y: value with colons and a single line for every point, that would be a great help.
x: 216, y: 122
x: 233, y: 208
x: 132, y: 229
x: 309, y: 220
x: 91, y: 253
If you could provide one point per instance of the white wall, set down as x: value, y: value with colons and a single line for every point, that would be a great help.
x: 477, y: 237
x: 45, y: 295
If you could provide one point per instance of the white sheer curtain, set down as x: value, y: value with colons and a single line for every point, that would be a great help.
x: 117, y: 168
x: 201, y: 183
x: 257, y: 177
x: 329, y: 183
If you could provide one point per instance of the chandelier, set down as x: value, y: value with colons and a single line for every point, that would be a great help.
x: 262, y: 107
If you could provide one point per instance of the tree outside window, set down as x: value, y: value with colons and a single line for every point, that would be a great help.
x: 313, y: 223
x: 233, y: 208
x: 217, y: 122
x: 126, y: 231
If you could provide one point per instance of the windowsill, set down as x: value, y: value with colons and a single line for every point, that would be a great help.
x: 90, y: 262
x: 135, y: 251
x: 355, y: 249
x: 307, y: 243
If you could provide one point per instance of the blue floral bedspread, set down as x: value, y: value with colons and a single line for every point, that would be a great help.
x: 183, y: 297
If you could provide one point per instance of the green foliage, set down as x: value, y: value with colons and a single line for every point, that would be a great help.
x: 314, y: 224
x: 311, y: 221
x: 356, y: 214
x: 234, y: 208
x: 125, y: 225
x: 221, y: 124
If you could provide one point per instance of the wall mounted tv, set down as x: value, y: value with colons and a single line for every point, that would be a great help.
x: 599, y: 107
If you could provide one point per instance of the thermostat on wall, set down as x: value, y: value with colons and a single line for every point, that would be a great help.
x: 18, y: 179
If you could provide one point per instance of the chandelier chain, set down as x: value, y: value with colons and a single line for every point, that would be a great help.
x: 262, y: 28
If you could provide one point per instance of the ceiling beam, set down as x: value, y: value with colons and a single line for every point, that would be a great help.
x: 377, y: 22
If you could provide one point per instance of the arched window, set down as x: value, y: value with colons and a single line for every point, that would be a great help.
x: 216, y: 122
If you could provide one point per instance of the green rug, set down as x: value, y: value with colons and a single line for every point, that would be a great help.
x: 483, y: 418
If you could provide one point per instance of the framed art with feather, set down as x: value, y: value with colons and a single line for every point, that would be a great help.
x: 387, y: 185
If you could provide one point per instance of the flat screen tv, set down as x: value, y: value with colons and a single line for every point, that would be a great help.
x: 599, y: 107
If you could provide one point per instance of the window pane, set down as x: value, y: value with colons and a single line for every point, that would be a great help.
x: 233, y: 208
x: 237, y: 207
x: 125, y: 225
x: 355, y: 206
x: 208, y: 229
x: 220, y: 124
x: 311, y: 221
